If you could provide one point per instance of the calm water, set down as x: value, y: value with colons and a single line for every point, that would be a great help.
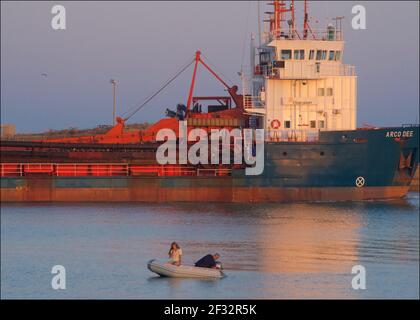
x: 268, y: 251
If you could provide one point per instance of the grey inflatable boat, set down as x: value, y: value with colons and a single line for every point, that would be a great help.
x: 165, y: 269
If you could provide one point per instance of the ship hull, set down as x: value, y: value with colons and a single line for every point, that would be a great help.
x: 43, y: 190
x: 341, y: 166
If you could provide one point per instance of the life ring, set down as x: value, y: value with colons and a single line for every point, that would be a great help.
x: 275, y: 124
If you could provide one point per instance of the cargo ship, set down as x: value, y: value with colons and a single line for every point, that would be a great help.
x: 297, y: 91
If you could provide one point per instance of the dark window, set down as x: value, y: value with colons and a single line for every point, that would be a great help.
x: 287, y: 124
x: 278, y: 64
x: 285, y: 153
x: 264, y: 57
x: 313, y: 124
x: 322, y: 153
x: 286, y: 54
x: 321, y: 124
x: 299, y: 55
x: 331, y: 56
x: 311, y: 54
x: 318, y: 55
x: 330, y: 92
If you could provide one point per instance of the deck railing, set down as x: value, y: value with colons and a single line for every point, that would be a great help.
x: 103, y: 170
x: 314, y: 34
x: 300, y: 70
x: 303, y: 135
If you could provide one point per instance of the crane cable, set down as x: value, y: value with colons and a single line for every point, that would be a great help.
x: 215, y: 69
x: 167, y: 83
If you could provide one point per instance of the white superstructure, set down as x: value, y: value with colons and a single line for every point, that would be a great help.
x: 299, y: 84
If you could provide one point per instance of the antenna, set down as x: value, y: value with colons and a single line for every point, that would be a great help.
x: 293, y: 26
x: 305, y: 21
x: 306, y: 26
x: 338, y: 27
x: 259, y: 24
x: 278, y: 16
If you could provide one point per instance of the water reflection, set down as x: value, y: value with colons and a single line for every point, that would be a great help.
x: 308, y: 238
x: 270, y: 250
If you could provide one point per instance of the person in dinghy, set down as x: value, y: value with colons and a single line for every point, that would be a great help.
x: 209, y: 261
x: 175, y: 254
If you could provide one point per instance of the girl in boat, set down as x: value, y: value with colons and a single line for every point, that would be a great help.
x: 175, y: 254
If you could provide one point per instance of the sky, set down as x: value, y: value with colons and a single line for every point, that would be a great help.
x: 142, y: 44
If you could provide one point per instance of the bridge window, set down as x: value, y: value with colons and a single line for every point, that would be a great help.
x: 299, y: 55
x: 287, y: 124
x: 337, y: 55
x: 311, y: 55
x: 331, y: 57
x: 264, y: 57
x: 286, y: 54
x: 321, y: 54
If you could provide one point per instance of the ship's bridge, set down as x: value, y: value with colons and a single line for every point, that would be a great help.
x: 298, y: 84
x: 302, y: 59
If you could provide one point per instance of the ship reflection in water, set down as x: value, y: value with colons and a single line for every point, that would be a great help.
x: 268, y: 251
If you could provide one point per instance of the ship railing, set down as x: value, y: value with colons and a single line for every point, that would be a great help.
x: 91, y: 169
x: 11, y: 169
x: 251, y: 102
x: 301, y: 70
x: 313, y: 34
x: 302, y: 135
x: 104, y: 170
x: 410, y: 125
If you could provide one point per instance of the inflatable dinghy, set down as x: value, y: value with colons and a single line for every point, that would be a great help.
x: 165, y: 269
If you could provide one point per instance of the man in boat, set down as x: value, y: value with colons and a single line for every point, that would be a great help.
x: 208, y: 261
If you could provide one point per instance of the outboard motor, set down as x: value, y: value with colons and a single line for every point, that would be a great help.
x: 181, y: 109
x: 170, y: 113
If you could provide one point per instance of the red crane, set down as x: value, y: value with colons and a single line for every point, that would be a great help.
x: 222, y: 118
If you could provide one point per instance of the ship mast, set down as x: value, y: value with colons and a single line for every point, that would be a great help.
x: 278, y: 17
x: 306, y: 26
x: 305, y: 21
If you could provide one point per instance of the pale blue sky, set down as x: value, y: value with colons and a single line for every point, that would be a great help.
x: 141, y: 44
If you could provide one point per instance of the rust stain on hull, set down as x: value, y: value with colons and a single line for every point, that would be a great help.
x: 154, y: 193
x: 415, y: 184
